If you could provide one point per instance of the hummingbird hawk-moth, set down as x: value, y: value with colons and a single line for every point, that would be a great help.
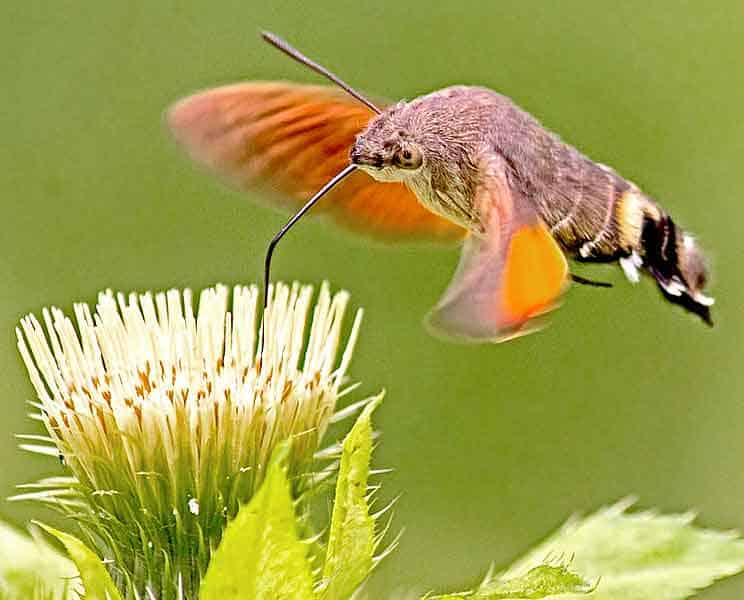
x: 462, y: 163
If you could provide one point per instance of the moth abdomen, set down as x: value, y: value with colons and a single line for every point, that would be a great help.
x: 641, y: 235
x: 598, y: 216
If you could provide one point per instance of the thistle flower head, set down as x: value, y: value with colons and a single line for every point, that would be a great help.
x: 166, y: 416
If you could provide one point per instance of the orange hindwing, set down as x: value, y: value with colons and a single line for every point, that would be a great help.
x: 512, y: 273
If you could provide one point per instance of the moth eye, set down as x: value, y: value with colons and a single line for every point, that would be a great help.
x: 409, y: 158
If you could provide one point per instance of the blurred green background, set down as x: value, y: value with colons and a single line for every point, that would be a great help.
x: 493, y: 446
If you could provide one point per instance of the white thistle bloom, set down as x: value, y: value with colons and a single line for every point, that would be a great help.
x: 167, y: 416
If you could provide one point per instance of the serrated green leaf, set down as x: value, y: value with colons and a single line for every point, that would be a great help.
x: 93, y: 574
x: 543, y: 581
x: 640, y: 556
x: 261, y: 556
x: 31, y: 569
x: 351, y: 541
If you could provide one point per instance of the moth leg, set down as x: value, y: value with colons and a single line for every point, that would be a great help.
x: 590, y: 282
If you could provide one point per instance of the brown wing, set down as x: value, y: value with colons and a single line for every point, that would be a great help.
x: 294, y: 138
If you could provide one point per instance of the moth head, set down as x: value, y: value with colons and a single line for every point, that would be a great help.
x: 387, y: 149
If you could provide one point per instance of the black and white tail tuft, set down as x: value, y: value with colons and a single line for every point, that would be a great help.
x: 674, y: 259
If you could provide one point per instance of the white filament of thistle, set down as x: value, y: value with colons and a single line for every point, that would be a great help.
x: 147, y: 388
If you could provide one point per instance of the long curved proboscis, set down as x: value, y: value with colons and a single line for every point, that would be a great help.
x: 296, y: 217
x: 291, y: 51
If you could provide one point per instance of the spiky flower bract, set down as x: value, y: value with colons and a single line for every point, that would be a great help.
x: 166, y: 416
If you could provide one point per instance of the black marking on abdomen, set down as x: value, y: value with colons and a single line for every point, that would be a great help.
x: 660, y: 255
x: 659, y: 247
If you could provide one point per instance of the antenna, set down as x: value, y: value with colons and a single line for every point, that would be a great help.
x: 296, y: 217
x: 290, y: 50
